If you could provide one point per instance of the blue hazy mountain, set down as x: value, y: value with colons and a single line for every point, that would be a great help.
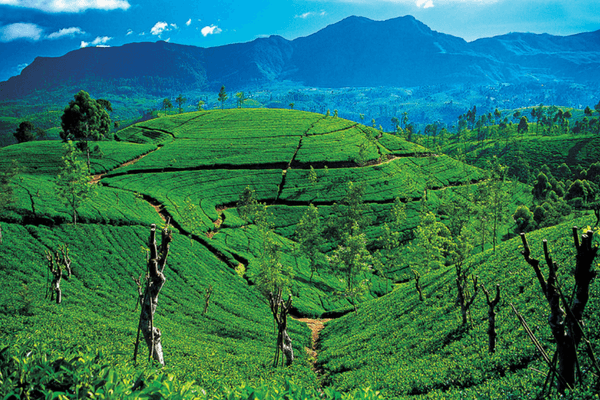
x: 353, y: 52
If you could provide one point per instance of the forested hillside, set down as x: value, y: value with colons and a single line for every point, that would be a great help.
x: 354, y: 224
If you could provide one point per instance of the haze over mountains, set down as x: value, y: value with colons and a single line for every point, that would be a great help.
x: 356, y: 51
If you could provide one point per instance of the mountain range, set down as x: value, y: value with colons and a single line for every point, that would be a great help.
x: 356, y: 51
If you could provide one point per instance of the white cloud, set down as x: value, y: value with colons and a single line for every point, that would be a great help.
x: 100, y: 41
x: 142, y: 34
x: 174, y: 26
x: 311, y: 14
x: 20, y: 30
x: 69, y: 6
x: 129, y: 32
x: 66, y: 32
x: 189, y: 22
x: 425, y: 3
x: 159, y: 28
x: 210, y: 30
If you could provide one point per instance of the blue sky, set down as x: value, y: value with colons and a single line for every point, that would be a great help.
x: 30, y: 28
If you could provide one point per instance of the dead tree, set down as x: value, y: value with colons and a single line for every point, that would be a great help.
x: 492, y: 335
x: 566, y: 319
x: 57, y: 263
x: 463, y: 299
x: 280, y: 310
x: 156, y: 280
x: 207, y: 293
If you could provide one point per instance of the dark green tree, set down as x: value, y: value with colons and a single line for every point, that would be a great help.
x: 25, y: 132
x: 180, y: 102
x: 105, y: 104
x: 222, y: 96
x: 85, y: 119
x: 523, y: 125
x: 166, y: 104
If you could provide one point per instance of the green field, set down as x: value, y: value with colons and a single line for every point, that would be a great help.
x: 191, y: 168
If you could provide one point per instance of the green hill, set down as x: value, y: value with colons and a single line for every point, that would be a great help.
x: 191, y: 169
x: 409, y: 348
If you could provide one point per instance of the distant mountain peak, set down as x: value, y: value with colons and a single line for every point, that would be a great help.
x: 355, y: 51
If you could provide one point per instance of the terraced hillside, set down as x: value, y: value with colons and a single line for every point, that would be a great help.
x: 191, y: 169
x: 410, y: 348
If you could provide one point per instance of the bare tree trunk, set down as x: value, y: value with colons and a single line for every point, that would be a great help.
x: 57, y: 262
x: 492, y: 317
x: 461, y: 283
x: 156, y: 280
x: 565, y: 326
x: 280, y: 310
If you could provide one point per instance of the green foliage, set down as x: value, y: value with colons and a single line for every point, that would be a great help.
x: 84, y: 118
x: 351, y: 261
x: 25, y: 132
x: 409, y: 348
x: 222, y: 96
x: 309, y: 235
x: 73, y: 185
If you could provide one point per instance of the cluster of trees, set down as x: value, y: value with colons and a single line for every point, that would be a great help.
x: 555, y: 198
x: 27, y: 132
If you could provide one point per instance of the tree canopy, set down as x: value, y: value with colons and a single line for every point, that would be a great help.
x: 85, y: 118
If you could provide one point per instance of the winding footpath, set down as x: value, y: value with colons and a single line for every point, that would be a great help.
x: 316, y: 326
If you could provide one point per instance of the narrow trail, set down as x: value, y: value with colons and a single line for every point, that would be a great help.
x: 316, y: 326
x: 96, y: 178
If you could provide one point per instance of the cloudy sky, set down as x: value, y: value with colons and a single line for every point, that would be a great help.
x: 30, y: 28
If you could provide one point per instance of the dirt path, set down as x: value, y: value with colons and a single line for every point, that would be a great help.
x: 315, y: 325
x: 96, y: 178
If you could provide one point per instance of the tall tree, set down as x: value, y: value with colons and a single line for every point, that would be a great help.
x: 273, y: 280
x: 309, y: 234
x: 180, y: 102
x: 523, y: 125
x: 73, y: 185
x: 222, y: 96
x: 85, y: 119
x: 166, y: 104
x: 241, y: 97
x: 351, y: 261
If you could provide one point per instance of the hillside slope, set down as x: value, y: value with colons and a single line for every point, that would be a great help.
x: 409, y: 348
x: 192, y: 168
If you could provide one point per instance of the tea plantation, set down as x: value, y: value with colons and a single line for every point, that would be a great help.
x: 192, y: 169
